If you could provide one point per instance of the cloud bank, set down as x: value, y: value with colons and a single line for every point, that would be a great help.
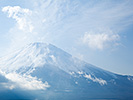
x: 27, y: 82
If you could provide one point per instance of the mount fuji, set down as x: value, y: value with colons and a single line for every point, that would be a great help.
x: 42, y: 71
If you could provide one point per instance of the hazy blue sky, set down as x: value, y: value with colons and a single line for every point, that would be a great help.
x: 97, y: 31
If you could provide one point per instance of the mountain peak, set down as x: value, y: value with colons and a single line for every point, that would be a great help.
x: 38, y: 44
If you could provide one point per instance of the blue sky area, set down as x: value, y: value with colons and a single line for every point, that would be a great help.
x: 97, y: 31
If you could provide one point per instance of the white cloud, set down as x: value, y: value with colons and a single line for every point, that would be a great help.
x: 100, y: 40
x: 21, y: 16
x: 27, y: 81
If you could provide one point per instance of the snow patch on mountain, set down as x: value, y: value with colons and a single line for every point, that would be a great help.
x: 130, y: 78
x: 76, y: 82
x: 95, y: 79
x: 71, y: 73
x: 80, y: 72
x: 113, y: 81
x: 53, y: 58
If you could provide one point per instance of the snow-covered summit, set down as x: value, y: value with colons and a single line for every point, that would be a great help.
x: 35, y: 55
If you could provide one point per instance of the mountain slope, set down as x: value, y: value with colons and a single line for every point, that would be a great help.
x: 57, y: 74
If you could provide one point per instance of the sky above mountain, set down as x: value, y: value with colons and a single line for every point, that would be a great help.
x: 99, y: 32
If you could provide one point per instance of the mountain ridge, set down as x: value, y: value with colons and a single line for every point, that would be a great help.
x: 41, y: 66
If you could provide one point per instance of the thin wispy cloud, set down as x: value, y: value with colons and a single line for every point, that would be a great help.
x: 65, y: 20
